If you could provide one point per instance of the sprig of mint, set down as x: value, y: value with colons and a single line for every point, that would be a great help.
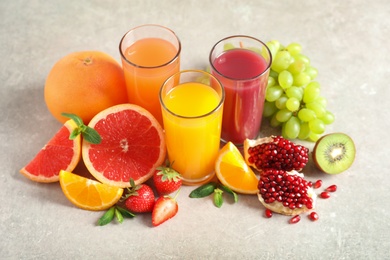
x: 88, y: 133
x: 213, y: 188
x: 118, y: 212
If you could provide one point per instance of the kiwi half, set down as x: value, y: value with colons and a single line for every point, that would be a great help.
x: 334, y: 153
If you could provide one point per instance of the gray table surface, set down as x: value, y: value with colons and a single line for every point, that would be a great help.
x: 346, y: 40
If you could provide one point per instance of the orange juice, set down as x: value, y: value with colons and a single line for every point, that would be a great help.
x: 192, y: 121
x: 147, y: 63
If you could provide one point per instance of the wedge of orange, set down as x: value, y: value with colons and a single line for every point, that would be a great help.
x: 88, y: 194
x: 233, y: 172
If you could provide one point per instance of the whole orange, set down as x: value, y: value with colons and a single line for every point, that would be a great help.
x: 84, y: 83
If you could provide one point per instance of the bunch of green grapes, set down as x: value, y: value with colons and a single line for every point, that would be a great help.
x: 293, y: 99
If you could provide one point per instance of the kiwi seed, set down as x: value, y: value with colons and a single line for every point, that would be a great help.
x: 334, y: 153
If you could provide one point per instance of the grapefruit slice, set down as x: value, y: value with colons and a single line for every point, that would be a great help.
x: 60, y: 153
x: 88, y: 194
x: 233, y: 172
x: 132, y: 146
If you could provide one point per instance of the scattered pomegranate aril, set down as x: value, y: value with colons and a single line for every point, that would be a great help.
x: 331, y: 188
x: 317, y: 184
x: 275, y: 152
x: 325, y: 195
x: 268, y: 213
x: 313, y: 216
x: 295, y: 219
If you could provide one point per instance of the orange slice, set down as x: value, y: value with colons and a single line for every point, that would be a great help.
x: 233, y: 172
x: 88, y: 194
x: 60, y: 153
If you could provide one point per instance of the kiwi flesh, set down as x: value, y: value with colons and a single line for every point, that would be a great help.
x: 334, y: 153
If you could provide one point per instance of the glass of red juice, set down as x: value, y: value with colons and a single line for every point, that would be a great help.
x: 242, y: 64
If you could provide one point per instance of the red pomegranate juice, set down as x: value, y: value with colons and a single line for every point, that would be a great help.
x: 244, y: 75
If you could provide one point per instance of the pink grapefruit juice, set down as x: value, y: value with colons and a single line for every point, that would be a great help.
x: 152, y: 61
x: 193, y: 129
x: 241, y: 72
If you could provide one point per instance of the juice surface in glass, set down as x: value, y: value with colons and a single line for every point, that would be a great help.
x: 239, y: 70
x: 150, y: 58
x: 192, y: 131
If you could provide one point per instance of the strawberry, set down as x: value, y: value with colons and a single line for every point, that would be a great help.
x: 140, y: 198
x: 164, y: 209
x: 166, y: 180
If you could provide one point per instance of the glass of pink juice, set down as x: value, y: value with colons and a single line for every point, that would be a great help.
x: 192, y: 114
x: 242, y: 65
x: 150, y: 54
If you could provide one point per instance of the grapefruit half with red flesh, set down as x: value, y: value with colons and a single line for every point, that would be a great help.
x: 60, y: 153
x: 132, y: 146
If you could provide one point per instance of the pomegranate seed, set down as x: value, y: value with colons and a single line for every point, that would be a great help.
x: 295, y: 219
x: 317, y: 184
x: 268, y: 213
x: 313, y: 216
x: 325, y: 195
x: 331, y: 188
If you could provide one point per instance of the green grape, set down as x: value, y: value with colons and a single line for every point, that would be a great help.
x: 285, y: 79
x: 228, y: 46
x: 297, y: 67
x: 281, y: 61
x: 302, y: 57
x: 293, y: 104
x: 301, y: 79
x: 274, y: 122
x: 306, y: 114
x: 276, y: 43
x: 292, y: 127
x: 273, y: 93
x: 296, y: 92
x: 294, y: 48
x: 313, y: 137
x: 304, y: 131
x: 312, y: 72
x: 272, y: 48
x: 322, y: 101
x: 273, y: 74
x: 283, y: 115
x: 271, y: 82
x: 327, y: 118
x: 269, y: 109
x: 311, y: 92
x: 316, y: 126
x: 317, y: 108
x: 280, y: 103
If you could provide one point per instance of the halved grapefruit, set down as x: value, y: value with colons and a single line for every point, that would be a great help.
x: 60, y: 153
x: 132, y: 146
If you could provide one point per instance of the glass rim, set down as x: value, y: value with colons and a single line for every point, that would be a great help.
x: 150, y: 67
x: 241, y: 36
x: 220, y: 103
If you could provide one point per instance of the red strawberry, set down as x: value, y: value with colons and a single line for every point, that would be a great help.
x: 166, y: 180
x: 164, y: 209
x: 140, y: 198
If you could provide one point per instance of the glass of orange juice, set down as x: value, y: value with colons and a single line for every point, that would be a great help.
x: 150, y: 54
x: 192, y: 106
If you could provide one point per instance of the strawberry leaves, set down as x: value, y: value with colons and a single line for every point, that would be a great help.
x: 213, y: 188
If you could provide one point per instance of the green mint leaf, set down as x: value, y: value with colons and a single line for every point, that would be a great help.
x: 74, y: 117
x: 125, y: 213
x: 228, y: 190
x: 218, y: 200
x: 88, y: 133
x: 107, y: 217
x: 118, y: 216
x: 204, y: 190
x: 91, y: 135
